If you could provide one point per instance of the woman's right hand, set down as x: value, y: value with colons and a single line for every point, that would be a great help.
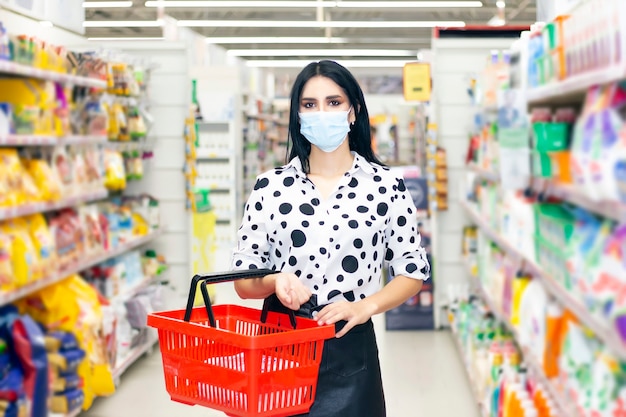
x: 291, y: 291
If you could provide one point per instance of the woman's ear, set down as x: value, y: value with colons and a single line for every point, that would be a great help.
x: 352, y: 116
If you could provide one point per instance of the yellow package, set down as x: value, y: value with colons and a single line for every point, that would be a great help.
x: 115, y: 174
x: 72, y: 305
x: 6, y: 193
x: 46, y: 180
x: 10, y: 172
x: 25, y: 260
x: 7, y: 281
x: 43, y: 241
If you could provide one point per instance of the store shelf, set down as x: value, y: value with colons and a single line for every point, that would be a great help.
x: 133, y: 290
x: 209, y: 153
x: 573, y: 89
x: 603, y: 332
x: 484, y: 173
x: 609, y: 209
x: 268, y: 118
x: 12, y: 68
x: 49, y: 140
x: 471, y: 379
x: 566, y: 192
x: 25, y: 210
x: 135, y: 354
x: 10, y: 296
x: 565, y: 407
x: 215, y: 185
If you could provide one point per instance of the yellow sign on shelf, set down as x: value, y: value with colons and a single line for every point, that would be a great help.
x: 416, y: 80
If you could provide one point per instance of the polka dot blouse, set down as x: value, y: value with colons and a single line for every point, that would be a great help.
x: 338, y: 246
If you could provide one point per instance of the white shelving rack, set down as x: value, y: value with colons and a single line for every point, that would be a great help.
x: 217, y: 164
x: 12, y: 140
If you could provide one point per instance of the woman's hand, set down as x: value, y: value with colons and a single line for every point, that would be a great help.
x: 352, y: 312
x: 291, y: 291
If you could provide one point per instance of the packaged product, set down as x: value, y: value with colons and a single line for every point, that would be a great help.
x: 612, y: 152
x: 94, y: 164
x: 17, y: 185
x: 62, y: 165
x: 30, y: 349
x: 65, y: 381
x: 80, y: 174
x: 115, y: 175
x: 67, y: 401
x: 93, y: 234
x: 68, y: 360
x: 7, y: 281
x: 25, y: 260
x: 69, y: 237
x: 57, y: 340
x: 72, y: 305
x: 43, y: 241
x: 45, y: 178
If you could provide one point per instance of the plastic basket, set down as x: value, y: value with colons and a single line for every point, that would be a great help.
x: 239, y: 360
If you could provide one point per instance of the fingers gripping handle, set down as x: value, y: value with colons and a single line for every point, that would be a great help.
x: 205, y: 280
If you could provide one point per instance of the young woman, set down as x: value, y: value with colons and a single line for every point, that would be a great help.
x: 326, y: 222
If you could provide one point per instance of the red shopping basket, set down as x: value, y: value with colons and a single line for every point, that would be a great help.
x: 239, y: 360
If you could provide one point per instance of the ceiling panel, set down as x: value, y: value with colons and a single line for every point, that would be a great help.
x: 392, y: 38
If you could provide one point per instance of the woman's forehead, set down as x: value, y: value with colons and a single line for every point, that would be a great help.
x: 320, y: 85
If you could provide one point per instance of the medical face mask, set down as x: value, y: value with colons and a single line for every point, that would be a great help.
x: 325, y: 129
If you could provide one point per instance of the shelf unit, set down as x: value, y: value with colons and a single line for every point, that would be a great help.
x: 470, y: 377
x: 13, y: 295
x: 13, y: 68
x: 565, y: 408
x: 573, y: 89
x: 217, y: 165
x: 597, y: 326
x: 135, y: 354
x: 47, y: 140
x: 27, y: 209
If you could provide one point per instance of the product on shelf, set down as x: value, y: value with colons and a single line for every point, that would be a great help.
x: 115, y: 173
x: 502, y: 383
x: 73, y: 306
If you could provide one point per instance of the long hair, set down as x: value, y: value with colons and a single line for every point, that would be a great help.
x: 359, y: 136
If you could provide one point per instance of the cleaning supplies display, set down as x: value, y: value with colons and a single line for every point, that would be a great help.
x: 573, y: 360
x: 589, y: 38
x: 501, y: 380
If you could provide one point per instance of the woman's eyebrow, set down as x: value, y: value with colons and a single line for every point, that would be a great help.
x: 308, y: 99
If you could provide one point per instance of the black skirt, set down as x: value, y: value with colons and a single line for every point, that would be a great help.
x: 349, y: 382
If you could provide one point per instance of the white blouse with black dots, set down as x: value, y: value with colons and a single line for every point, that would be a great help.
x: 336, y: 246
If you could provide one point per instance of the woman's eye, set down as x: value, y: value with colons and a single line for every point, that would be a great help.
x: 334, y: 103
x: 308, y: 105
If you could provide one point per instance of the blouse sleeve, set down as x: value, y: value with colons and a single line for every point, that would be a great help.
x: 253, y: 246
x: 405, y: 254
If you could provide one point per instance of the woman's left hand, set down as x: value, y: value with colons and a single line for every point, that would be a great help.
x: 353, y: 313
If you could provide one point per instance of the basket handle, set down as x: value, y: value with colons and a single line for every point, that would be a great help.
x: 227, y: 277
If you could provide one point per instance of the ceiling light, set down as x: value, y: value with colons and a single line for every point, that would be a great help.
x: 314, y: 24
x: 233, y: 4
x: 246, y: 40
x: 319, y: 52
x: 125, y: 39
x: 46, y: 23
x: 350, y: 64
x: 315, y: 4
x: 500, y: 4
x: 106, y: 4
x: 310, y: 40
x: 407, y: 4
x: 123, y: 23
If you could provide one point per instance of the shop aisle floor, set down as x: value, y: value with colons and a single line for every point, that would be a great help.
x: 422, y: 374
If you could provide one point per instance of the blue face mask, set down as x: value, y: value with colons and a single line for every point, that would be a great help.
x: 325, y: 129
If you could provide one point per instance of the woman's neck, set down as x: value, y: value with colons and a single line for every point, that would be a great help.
x: 330, y: 164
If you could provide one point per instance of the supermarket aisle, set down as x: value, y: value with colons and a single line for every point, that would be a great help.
x: 422, y: 372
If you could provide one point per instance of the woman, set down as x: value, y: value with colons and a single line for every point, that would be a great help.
x: 326, y: 221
